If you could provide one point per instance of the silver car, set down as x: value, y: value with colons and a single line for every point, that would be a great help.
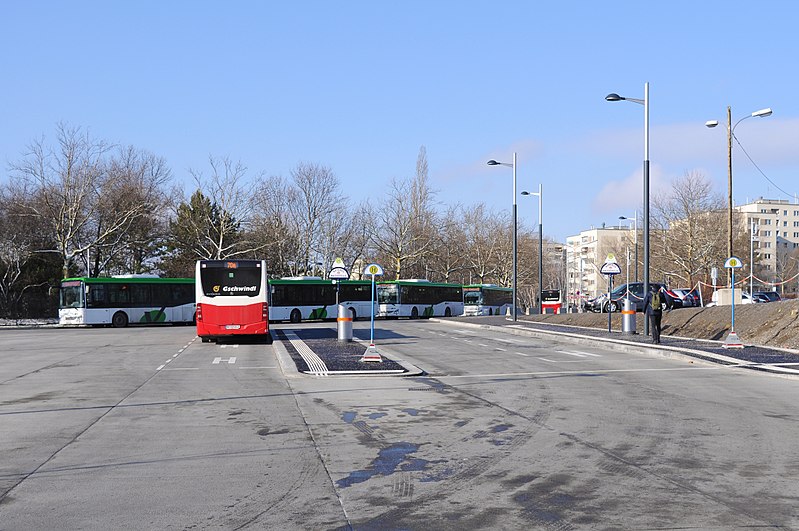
x: 689, y: 298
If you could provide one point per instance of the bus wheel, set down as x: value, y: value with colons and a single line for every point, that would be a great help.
x: 447, y: 312
x: 120, y: 320
x: 206, y: 339
x: 353, y: 314
x: 491, y: 311
x: 296, y: 316
x: 414, y: 313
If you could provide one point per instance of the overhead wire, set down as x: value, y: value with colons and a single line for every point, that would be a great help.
x: 758, y: 168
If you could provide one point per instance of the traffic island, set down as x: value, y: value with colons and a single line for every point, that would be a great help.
x: 317, y: 352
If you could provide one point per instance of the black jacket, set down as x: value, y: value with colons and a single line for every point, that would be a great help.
x: 648, y: 303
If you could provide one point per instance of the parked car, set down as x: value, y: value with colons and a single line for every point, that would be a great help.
x: 601, y: 303
x: 688, y: 297
x: 766, y: 296
x: 745, y: 299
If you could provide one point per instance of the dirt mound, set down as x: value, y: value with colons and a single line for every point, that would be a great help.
x: 774, y: 324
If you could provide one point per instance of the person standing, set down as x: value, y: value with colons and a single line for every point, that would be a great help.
x: 653, y: 308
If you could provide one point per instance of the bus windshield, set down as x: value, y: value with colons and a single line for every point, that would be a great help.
x: 387, y: 294
x: 472, y: 297
x: 223, y: 281
x: 71, y: 294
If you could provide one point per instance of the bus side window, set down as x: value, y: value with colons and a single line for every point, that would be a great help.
x: 118, y: 295
x: 140, y: 295
x: 181, y: 294
x: 96, y: 297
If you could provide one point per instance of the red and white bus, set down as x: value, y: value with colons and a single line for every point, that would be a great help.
x: 231, y: 298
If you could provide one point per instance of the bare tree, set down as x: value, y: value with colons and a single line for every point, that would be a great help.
x: 221, y: 227
x: 424, y: 219
x: 135, y: 188
x: 275, y: 226
x: 318, y: 206
x: 448, y: 254
x: 488, y: 243
x: 688, y: 220
x: 352, y: 237
x: 396, y: 239
x: 66, y: 183
x: 406, y: 221
x: 20, y: 238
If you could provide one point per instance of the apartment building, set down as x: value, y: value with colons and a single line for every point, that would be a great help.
x: 773, y: 226
x: 587, y: 251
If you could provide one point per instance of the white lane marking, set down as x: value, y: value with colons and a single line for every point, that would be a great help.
x: 483, y: 345
x: 587, y: 353
x: 578, y: 353
x: 561, y: 361
x: 522, y: 354
x: 229, y: 360
x: 315, y: 364
x: 500, y: 349
x: 187, y: 345
x: 231, y: 346
x: 568, y: 353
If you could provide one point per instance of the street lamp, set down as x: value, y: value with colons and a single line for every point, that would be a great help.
x: 645, y: 103
x: 580, y: 298
x: 754, y: 229
x: 495, y: 163
x: 539, y: 193
x: 635, y: 225
x: 730, y: 134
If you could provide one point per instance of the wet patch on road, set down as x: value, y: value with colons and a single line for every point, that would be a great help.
x: 395, y: 458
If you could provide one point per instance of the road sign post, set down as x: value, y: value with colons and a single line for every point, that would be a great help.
x: 337, y: 273
x: 610, y: 268
x: 732, y: 340
x: 372, y: 354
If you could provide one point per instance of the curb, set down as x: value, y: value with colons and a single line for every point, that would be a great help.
x: 635, y: 347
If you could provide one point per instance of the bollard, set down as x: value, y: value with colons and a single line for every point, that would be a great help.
x: 628, y: 317
x: 344, y: 324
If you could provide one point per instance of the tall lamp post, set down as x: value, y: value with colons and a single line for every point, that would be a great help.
x: 635, y: 228
x: 495, y: 163
x: 752, y: 232
x: 730, y: 134
x: 645, y: 103
x: 539, y: 193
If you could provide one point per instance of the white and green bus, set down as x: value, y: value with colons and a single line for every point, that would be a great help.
x: 123, y: 300
x: 298, y: 299
x: 418, y: 298
x: 486, y: 299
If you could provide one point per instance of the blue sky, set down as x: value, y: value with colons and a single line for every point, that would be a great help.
x: 360, y: 86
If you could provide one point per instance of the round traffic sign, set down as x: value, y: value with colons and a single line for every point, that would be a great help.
x: 373, y: 269
x: 733, y: 262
